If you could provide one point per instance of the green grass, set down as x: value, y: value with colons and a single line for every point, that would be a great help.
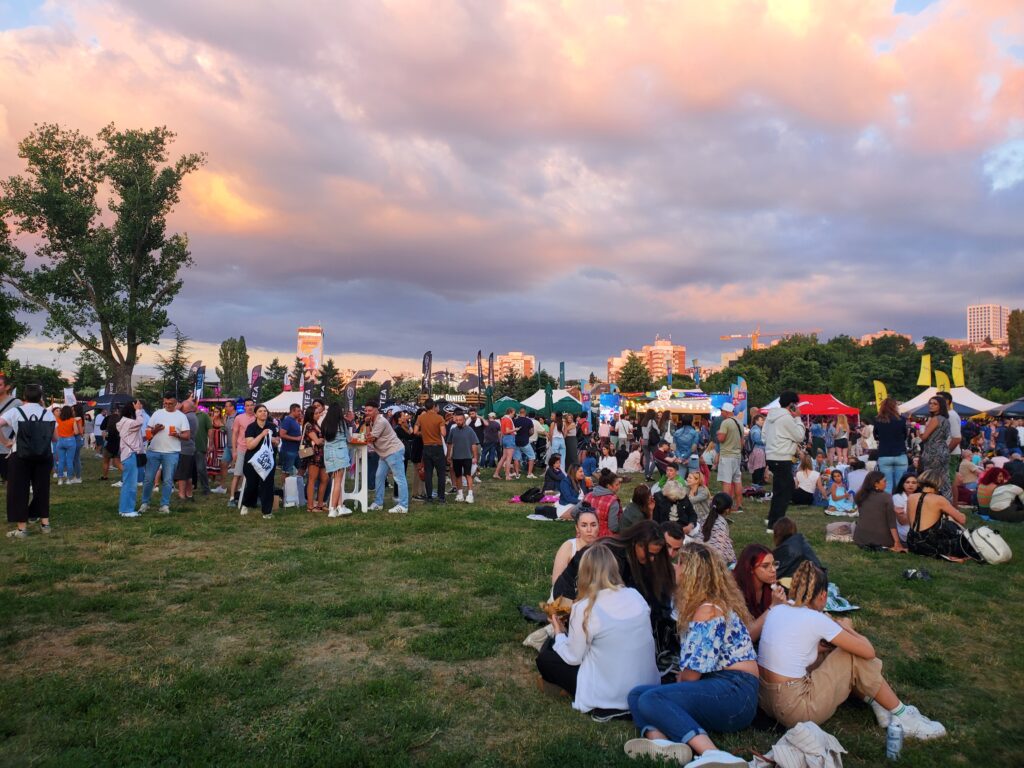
x: 206, y: 638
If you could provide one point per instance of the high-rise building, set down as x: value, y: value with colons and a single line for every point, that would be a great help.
x: 656, y: 357
x: 867, y: 338
x: 519, y: 363
x: 987, y: 321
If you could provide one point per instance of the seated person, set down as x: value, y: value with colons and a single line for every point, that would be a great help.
x: 553, y: 475
x: 876, y: 519
x: 607, y: 649
x: 713, y: 530
x: 839, y: 499
x: 663, y: 457
x: 605, y: 501
x: 588, y: 462
x: 640, y: 508
x: 1007, y: 505
x: 796, y: 687
x: 633, y: 462
x: 672, y: 503
x: 607, y: 460
x: 698, y: 494
x: 586, y: 534
x: 935, y: 524
x: 969, y: 472
x: 671, y: 473
x: 621, y: 454
x: 906, y: 486
x: 990, y: 479
x: 1015, y: 466
x: 806, y: 480
x: 675, y: 537
x: 855, y: 477
x: 820, y: 464
x: 716, y: 687
x: 791, y: 548
x: 570, y: 489
x: 756, y: 576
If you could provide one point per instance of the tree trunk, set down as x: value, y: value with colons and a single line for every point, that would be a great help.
x: 122, y: 378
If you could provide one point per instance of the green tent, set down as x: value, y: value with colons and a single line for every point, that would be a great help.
x: 503, y: 404
x: 567, y: 405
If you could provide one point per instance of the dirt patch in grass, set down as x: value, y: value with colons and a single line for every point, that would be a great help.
x: 62, y: 649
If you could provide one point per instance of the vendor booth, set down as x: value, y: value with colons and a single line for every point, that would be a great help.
x: 283, y: 402
x: 536, y: 401
x: 1014, y: 410
x: 692, y: 401
x: 965, y: 402
x: 819, y: 405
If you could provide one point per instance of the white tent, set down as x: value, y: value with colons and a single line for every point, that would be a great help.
x: 965, y: 402
x: 536, y: 400
x: 283, y: 402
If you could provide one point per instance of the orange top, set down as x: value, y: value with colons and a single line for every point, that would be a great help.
x: 66, y: 427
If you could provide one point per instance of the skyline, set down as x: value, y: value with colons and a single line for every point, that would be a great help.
x: 557, y: 180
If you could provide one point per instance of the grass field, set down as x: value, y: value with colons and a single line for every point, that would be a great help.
x: 206, y: 638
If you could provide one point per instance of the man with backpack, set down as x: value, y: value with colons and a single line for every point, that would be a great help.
x: 33, y: 430
x: 7, y: 402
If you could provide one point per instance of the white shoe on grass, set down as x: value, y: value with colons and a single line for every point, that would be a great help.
x: 716, y: 758
x: 469, y: 497
x: 459, y: 496
x: 398, y: 509
x: 144, y: 508
x: 342, y: 511
x: 243, y: 510
x: 374, y: 507
x: 659, y: 749
x: 917, y: 726
x: 129, y: 514
x: 165, y: 510
x: 118, y: 484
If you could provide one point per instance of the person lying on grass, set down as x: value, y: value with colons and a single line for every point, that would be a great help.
x: 607, y: 649
x: 876, y: 518
x: 716, y: 687
x: 810, y: 664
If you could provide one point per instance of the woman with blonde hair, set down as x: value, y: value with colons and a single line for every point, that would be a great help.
x: 797, y: 686
x: 842, y: 439
x: 608, y: 648
x: 717, y: 681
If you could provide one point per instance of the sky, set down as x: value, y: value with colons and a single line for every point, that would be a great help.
x: 564, y: 178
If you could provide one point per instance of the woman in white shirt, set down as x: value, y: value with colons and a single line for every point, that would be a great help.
x: 609, y: 647
x: 608, y: 459
x: 806, y: 482
x: 796, y: 687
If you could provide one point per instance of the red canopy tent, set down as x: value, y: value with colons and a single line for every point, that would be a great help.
x: 819, y: 405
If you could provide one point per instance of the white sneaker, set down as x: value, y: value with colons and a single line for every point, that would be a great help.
x: 659, y: 749
x: 243, y: 510
x: 332, y: 512
x: 469, y: 497
x: 129, y: 514
x: 715, y: 758
x: 76, y: 480
x: 218, y: 490
x: 459, y: 496
x: 118, y: 484
x: 343, y: 510
x: 165, y: 510
x: 374, y: 507
x: 144, y: 508
x: 532, y: 476
x: 60, y: 481
x: 882, y: 715
x: 917, y: 726
x: 398, y: 509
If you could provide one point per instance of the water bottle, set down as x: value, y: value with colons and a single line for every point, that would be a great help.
x: 893, y: 740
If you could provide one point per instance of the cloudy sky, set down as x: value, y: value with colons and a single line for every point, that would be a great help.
x: 566, y: 178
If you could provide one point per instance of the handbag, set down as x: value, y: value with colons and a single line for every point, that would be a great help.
x: 263, y: 460
x: 990, y: 546
x: 305, y: 451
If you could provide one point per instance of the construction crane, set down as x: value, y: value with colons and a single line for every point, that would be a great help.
x: 756, y: 336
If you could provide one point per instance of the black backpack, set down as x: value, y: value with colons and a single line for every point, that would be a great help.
x: 35, y: 437
x: 531, y: 495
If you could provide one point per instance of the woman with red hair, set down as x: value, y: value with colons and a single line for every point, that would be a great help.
x: 992, y: 478
x: 755, y: 575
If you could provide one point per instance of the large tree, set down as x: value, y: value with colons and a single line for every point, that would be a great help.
x: 90, y: 372
x: 233, y: 371
x: 173, y: 367
x: 105, y: 274
x: 634, y: 376
x: 273, y: 379
x: 330, y: 380
x: 11, y: 329
x: 1014, y: 332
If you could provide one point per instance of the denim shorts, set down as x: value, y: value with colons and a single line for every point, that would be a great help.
x: 508, y: 441
x: 524, y: 452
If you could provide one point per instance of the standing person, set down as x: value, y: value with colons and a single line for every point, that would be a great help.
x: 76, y: 463
x: 730, y: 451
x: 215, y: 451
x: 33, y: 434
x: 336, y: 457
x: 508, y: 445
x: 935, y: 444
x: 97, y: 432
x: 842, y: 439
x: 624, y: 430
x: 389, y: 448
x: 756, y: 461
x: 67, y: 429
x: 240, y: 423
x: 491, y: 441
x: 200, y: 472
x: 111, y: 443
x: 430, y: 427
x: 259, y: 488
x: 129, y: 428
x: 313, y: 465
x: 556, y: 438
x: 463, y: 452
x: 891, y: 433
x: 651, y: 437
x: 783, y: 436
x: 291, y: 435
x: 955, y: 439
x: 168, y: 428
x: 524, y: 453
x: 183, y: 471
x: 572, y: 444
x: 685, y: 439
x: 7, y: 402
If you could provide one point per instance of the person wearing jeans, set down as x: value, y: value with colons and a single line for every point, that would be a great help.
x: 430, y: 426
x: 783, y: 435
x: 391, y: 453
x: 890, y: 429
x: 129, y: 429
x: 65, y: 458
x: 168, y: 427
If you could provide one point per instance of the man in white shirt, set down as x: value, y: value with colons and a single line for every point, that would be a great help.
x: 623, y: 430
x: 783, y: 435
x: 167, y: 427
x: 7, y: 402
x: 29, y: 470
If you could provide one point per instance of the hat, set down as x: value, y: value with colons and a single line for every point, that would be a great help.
x: 728, y: 407
x: 492, y: 415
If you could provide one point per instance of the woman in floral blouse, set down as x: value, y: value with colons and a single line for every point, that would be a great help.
x: 718, y: 678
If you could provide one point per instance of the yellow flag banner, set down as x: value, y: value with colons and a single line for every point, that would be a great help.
x: 942, y: 382
x: 880, y: 393
x: 958, y: 371
x: 924, y: 379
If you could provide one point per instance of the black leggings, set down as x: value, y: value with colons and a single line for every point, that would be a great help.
x: 802, y: 498
x: 554, y: 670
x: 255, y: 488
x: 23, y: 474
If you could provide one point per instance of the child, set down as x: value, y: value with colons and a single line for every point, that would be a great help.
x: 839, y: 502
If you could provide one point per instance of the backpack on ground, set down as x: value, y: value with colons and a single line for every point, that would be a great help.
x: 990, y: 546
x: 35, y: 436
x: 531, y: 495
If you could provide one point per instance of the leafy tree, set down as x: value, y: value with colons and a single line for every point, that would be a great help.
x: 297, y: 374
x: 233, y: 370
x: 10, y: 328
x: 406, y: 391
x: 173, y: 367
x: 1014, y: 333
x: 51, y: 380
x: 941, y: 352
x: 90, y: 372
x: 507, y: 386
x: 273, y: 375
x: 103, y: 278
x: 367, y: 393
x: 330, y: 378
x: 634, y: 376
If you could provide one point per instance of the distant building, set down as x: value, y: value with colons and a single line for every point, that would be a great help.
x: 370, y: 375
x: 656, y: 357
x: 987, y: 322
x: 867, y: 338
x: 519, y: 363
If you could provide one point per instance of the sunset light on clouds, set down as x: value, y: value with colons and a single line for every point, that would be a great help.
x: 568, y: 178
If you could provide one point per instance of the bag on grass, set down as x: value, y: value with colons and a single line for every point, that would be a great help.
x: 990, y: 546
x: 291, y: 491
x: 263, y: 460
x: 531, y: 496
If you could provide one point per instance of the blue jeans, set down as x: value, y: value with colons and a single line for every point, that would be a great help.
x: 154, y: 461
x: 79, y: 442
x: 723, y: 701
x: 490, y: 455
x: 557, y: 447
x: 893, y: 467
x: 396, y: 463
x: 65, y: 457
x: 129, y: 485
x: 288, y: 461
